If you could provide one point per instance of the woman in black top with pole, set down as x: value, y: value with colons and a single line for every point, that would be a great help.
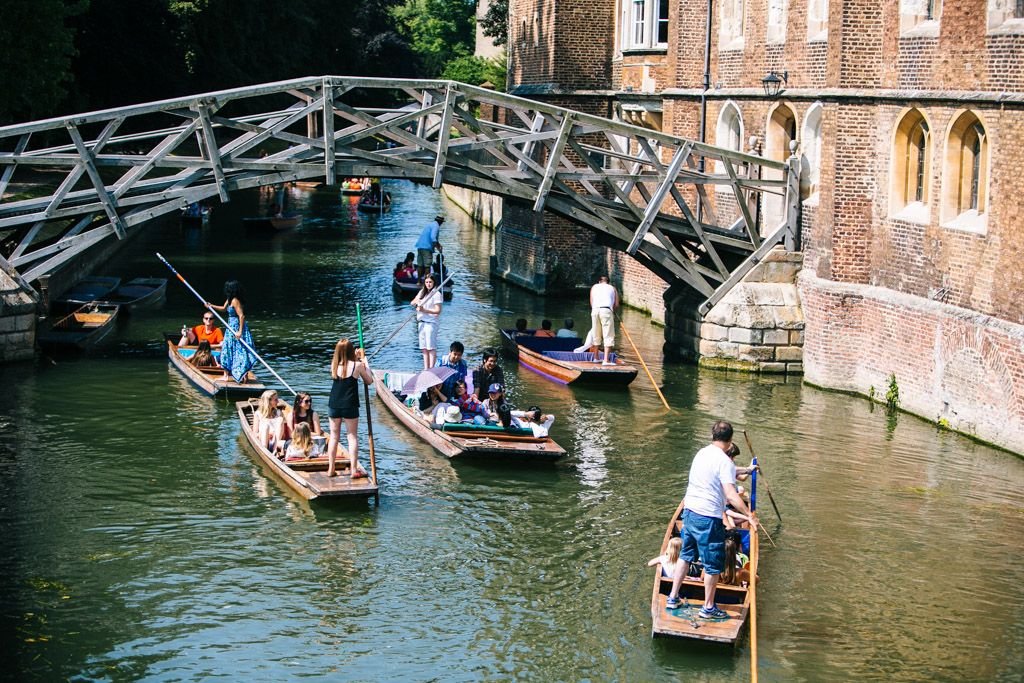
x: 346, y: 365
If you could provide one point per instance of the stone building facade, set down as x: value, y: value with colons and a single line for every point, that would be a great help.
x: 907, y: 117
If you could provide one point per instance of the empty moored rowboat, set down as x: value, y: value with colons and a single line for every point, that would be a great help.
x: 80, y: 330
x: 408, y: 289
x: 272, y: 222
x: 210, y: 380
x: 85, y: 291
x: 684, y: 622
x: 555, y: 358
x: 462, y: 439
x: 141, y: 292
x: 308, y: 478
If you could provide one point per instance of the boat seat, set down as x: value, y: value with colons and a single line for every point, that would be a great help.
x: 545, y: 344
x: 571, y: 357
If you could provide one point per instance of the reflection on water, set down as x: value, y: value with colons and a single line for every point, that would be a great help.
x: 145, y: 540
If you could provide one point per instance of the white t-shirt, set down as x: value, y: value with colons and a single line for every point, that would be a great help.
x: 602, y: 295
x: 540, y: 429
x: 710, y: 471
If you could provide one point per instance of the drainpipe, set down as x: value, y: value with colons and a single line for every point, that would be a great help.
x: 704, y: 95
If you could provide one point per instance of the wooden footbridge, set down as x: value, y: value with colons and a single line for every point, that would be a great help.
x: 690, y: 212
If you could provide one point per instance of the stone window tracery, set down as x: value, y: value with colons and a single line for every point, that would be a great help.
x: 1006, y: 16
x: 920, y: 17
x: 777, y: 16
x: 817, y: 20
x: 911, y: 168
x: 730, y: 25
x: 965, y: 175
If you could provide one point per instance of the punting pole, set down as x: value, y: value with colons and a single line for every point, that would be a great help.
x: 755, y: 551
x: 225, y: 324
x: 366, y: 396
x: 643, y: 363
x: 750, y: 446
x: 405, y: 322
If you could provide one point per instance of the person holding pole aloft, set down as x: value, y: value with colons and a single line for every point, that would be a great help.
x: 428, y: 312
x: 604, y: 299
x: 235, y: 357
x: 347, y: 365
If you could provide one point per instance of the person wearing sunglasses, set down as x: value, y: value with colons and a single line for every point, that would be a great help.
x: 207, y: 331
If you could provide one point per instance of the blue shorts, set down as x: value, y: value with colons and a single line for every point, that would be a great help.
x: 704, y: 537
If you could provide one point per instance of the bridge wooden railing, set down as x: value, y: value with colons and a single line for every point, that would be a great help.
x: 688, y: 211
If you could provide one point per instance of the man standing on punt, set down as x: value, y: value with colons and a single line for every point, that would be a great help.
x: 604, y: 299
x: 426, y: 245
x: 712, y: 481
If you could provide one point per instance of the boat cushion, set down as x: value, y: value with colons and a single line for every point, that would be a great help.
x: 570, y: 357
x: 470, y: 427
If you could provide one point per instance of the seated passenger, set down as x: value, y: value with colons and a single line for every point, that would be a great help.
x: 432, y: 399
x: 734, y: 572
x: 301, y: 446
x: 469, y: 405
x: 521, y: 328
x: 302, y: 412
x: 488, y: 373
x: 454, y: 361
x: 545, y: 329
x: 208, y: 331
x: 399, y: 271
x: 437, y: 269
x: 268, y: 423
x: 669, y: 559
x: 499, y: 411
x: 409, y: 268
x: 532, y: 418
x: 203, y: 357
x: 567, y: 330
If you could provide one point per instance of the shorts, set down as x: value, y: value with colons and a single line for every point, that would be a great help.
x: 602, y: 323
x: 424, y: 257
x: 706, y: 536
x: 428, y: 336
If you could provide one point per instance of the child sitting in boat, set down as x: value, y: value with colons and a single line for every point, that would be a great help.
x: 301, y: 446
x: 669, y: 559
x: 268, y: 422
x: 735, y: 572
x: 497, y: 406
x: 469, y: 405
x: 532, y: 418
x: 203, y: 357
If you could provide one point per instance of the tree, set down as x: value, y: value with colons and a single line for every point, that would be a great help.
x: 494, y: 23
x: 36, y: 49
x: 438, y: 31
x: 477, y: 70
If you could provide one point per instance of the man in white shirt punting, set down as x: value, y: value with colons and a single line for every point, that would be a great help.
x: 604, y: 299
x: 711, y: 483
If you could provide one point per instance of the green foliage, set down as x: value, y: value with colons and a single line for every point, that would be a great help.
x: 494, y: 23
x: 36, y: 49
x: 476, y: 71
x: 892, y: 394
x: 871, y: 392
x: 439, y: 31
x: 943, y: 423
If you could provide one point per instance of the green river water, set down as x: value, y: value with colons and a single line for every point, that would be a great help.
x: 144, y: 541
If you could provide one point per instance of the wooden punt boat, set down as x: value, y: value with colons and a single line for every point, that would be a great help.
x: 683, y: 622
x: 407, y: 289
x: 272, y: 222
x: 373, y: 205
x: 86, y: 290
x: 209, y: 380
x: 141, y: 292
x: 554, y: 358
x: 462, y: 440
x: 80, y: 330
x: 308, y: 478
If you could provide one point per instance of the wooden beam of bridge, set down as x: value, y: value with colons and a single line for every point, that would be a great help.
x: 639, y: 188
